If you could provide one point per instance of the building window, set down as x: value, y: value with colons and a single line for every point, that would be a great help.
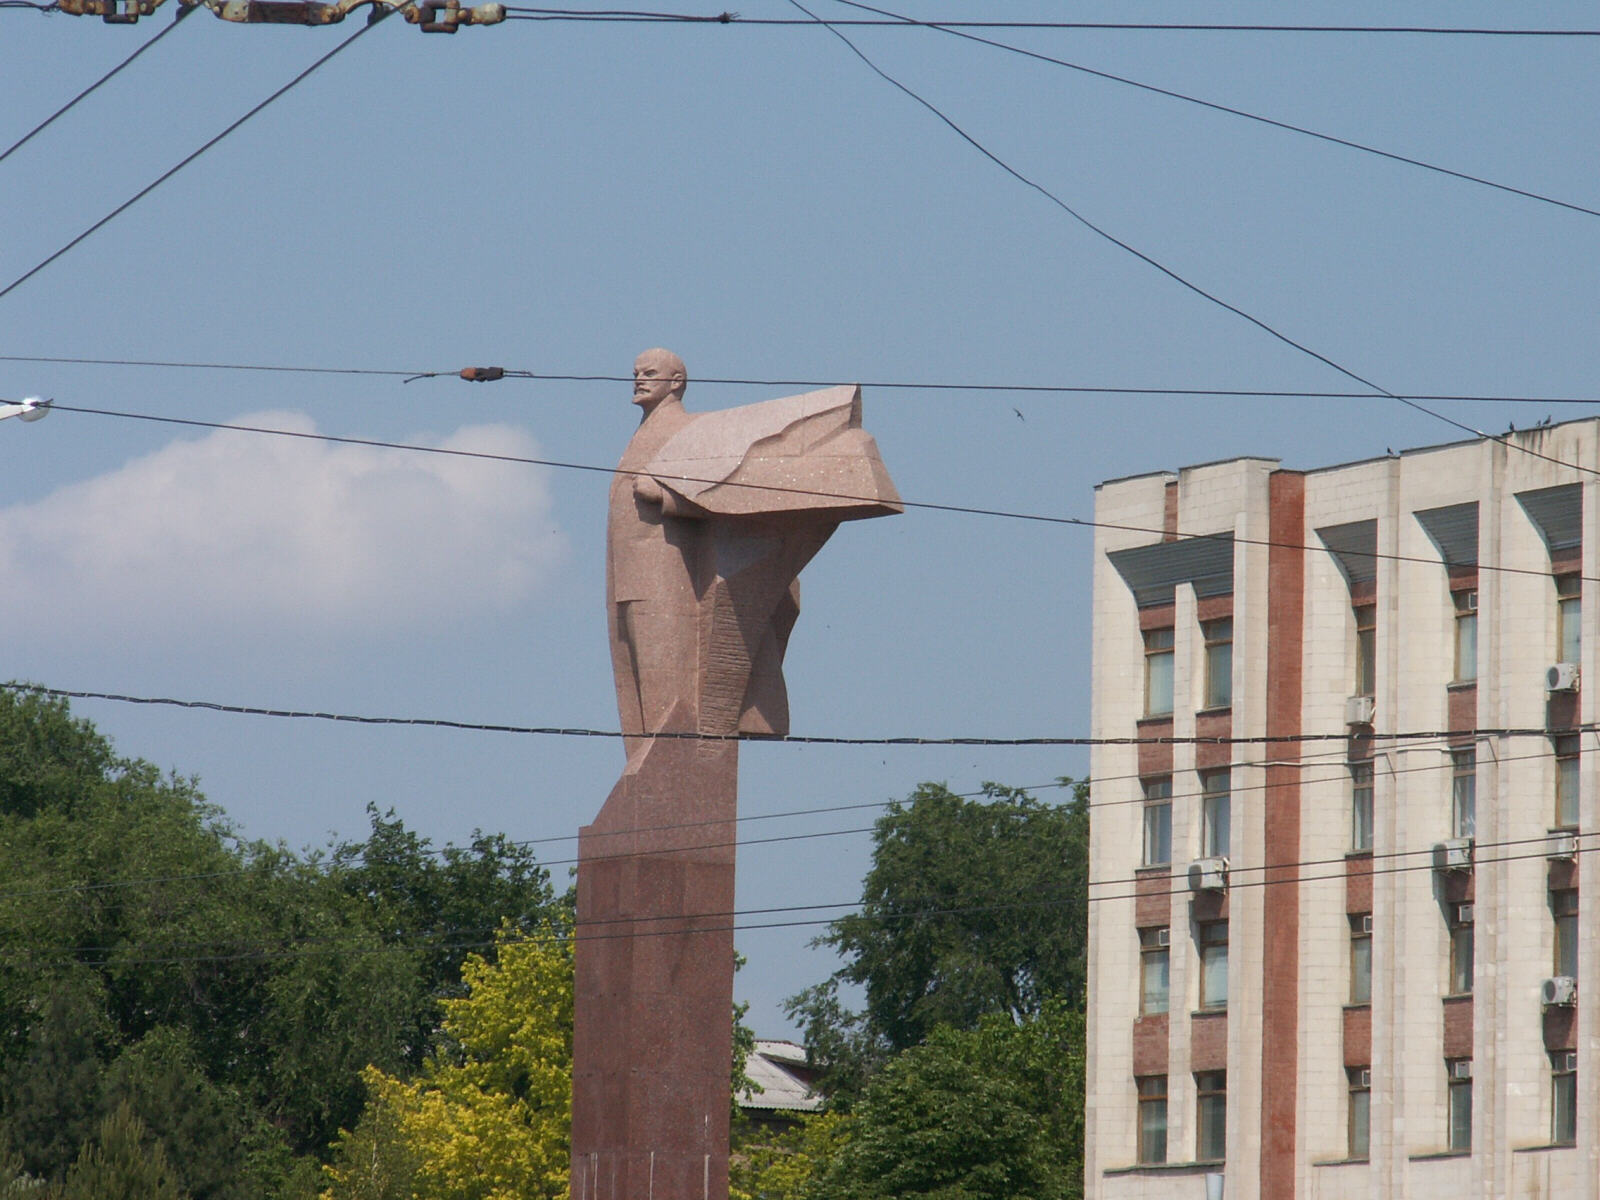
x: 1157, y: 821
x: 1360, y: 1126
x: 1361, y: 806
x: 1564, y: 1097
x: 1569, y: 619
x: 1566, y: 782
x: 1158, y: 672
x: 1211, y: 1116
x: 1459, y: 1071
x: 1366, y: 649
x: 1219, y: 662
x: 1460, y: 949
x: 1214, y: 964
x: 1564, y: 904
x: 1360, y: 958
x: 1215, y: 802
x: 1466, y: 604
x: 1152, y: 1118
x: 1463, y: 793
x: 1155, y: 961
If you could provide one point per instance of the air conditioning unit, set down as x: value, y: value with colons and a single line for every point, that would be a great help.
x: 1561, y: 677
x: 1164, y: 937
x: 1208, y: 874
x: 1569, y: 1061
x: 1562, y: 846
x: 1359, y: 710
x: 1461, y: 1068
x: 1366, y: 1077
x: 1366, y: 922
x: 1454, y: 854
x: 1465, y: 914
x: 1559, y: 991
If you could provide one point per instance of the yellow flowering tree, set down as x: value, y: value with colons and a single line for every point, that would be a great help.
x: 490, y: 1117
x: 787, y: 1165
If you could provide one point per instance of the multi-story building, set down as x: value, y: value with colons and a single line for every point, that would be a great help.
x: 1343, y: 796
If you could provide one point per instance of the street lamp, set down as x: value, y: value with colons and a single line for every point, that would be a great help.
x: 30, y: 408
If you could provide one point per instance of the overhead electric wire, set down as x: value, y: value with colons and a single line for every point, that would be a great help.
x: 65, y: 108
x: 928, y: 505
x: 17, y: 953
x: 29, y: 892
x: 896, y: 384
x: 1149, y: 260
x: 1265, y: 739
x: 634, y: 16
x: 953, y: 29
x: 377, y: 15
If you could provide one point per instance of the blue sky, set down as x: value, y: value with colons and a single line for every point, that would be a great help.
x: 556, y: 197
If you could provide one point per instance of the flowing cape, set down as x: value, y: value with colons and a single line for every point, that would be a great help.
x: 797, y: 454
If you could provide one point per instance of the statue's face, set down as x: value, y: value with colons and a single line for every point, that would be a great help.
x: 656, y: 375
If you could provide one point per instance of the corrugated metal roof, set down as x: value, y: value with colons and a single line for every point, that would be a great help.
x: 777, y: 1088
x: 1454, y: 529
x: 1558, y: 512
x: 1152, y: 572
x: 1355, y: 547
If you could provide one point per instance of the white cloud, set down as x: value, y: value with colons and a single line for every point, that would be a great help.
x: 242, y: 531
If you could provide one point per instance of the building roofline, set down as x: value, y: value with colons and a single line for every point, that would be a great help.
x: 1164, y: 474
x: 1356, y: 462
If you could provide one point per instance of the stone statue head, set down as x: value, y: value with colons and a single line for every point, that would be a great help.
x: 658, y: 375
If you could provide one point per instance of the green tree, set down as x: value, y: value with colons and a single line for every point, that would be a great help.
x: 971, y: 907
x: 122, y: 1162
x: 489, y: 1117
x: 51, y: 1097
x: 230, y: 992
x: 991, y: 1113
x: 47, y: 759
x: 786, y: 1164
x: 161, y: 1082
x: 444, y: 902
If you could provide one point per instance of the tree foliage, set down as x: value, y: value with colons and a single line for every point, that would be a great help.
x: 122, y: 1162
x: 971, y: 908
x: 228, y: 993
x: 489, y: 1117
x: 991, y: 1113
x: 786, y: 1164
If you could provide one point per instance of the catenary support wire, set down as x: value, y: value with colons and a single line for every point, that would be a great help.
x: 106, y: 78
x: 378, y: 15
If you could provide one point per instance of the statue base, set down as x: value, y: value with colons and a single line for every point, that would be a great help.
x: 652, y: 1047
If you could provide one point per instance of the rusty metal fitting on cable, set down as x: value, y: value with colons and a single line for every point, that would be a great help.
x: 446, y: 16
x: 482, y: 374
x: 112, y: 12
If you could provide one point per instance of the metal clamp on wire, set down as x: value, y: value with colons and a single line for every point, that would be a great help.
x: 446, y: 16
x: 482, y: 374
x: 279, y: 12
x: 112, y: 12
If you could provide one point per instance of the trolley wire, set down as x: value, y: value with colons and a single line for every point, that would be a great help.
x: 377, y: 15
x: 926, y: 505
x: 592, y: 931
x: 1100, y: 231
x: 954, y: 30
x: 1266, y: 739
x: 106, y: 78
x: 29, y: 892
x: 634, y: 16
x: 887, y: 385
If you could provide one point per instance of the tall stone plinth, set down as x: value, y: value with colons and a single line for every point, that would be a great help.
x: 652, y: 1042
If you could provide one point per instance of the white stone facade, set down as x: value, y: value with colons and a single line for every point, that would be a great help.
x: 1293, y: 1034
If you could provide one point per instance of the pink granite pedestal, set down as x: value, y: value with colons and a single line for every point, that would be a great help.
x: 652, y: 1042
